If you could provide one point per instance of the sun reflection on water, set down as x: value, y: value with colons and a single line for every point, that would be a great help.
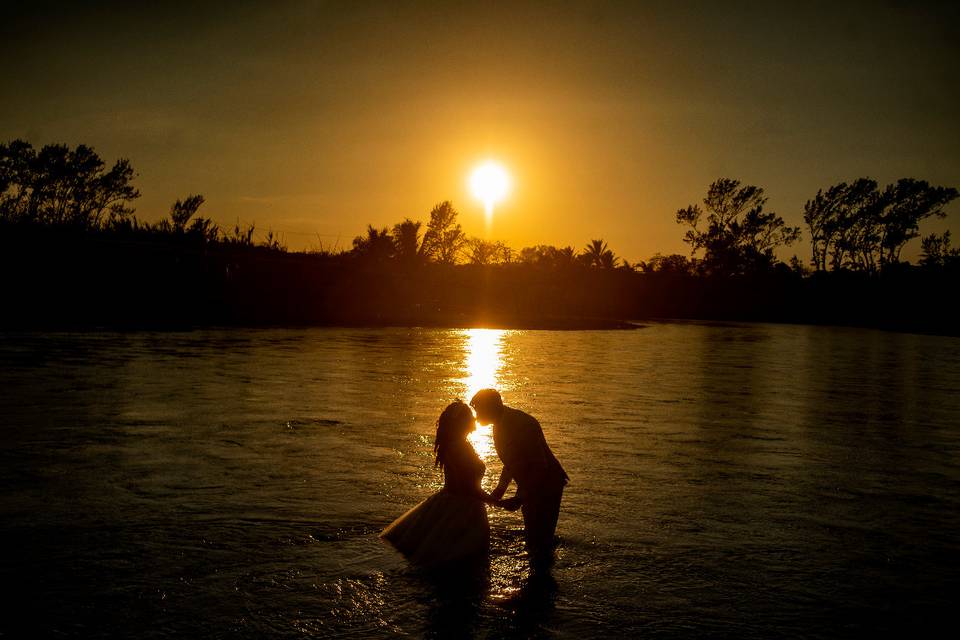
x: 484, y: 362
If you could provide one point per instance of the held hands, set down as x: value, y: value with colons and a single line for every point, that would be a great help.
x: 510, y: 504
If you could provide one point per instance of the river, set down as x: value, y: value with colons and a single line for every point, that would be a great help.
x: 736, y: 480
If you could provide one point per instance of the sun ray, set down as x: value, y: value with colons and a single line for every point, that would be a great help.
x: 484, y: 363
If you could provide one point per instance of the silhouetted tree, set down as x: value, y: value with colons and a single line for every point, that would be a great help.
x: 833, y: 216
x: 63, y: 186
x: 485, y: 252
x: 376, y: 246
x: 937, y: 252
x: 533, y: 255
x: 597, y: 254
x: 479, y: 251
x: 16, y: 179
x: 444, y: 239
x: 859, y: 227
x: 181, y: 213
x: 406, y: 241
x: 673, y: 263
x: 505, y: 253
x: 183, y: 210
x: 608, y: 260
x: 797, y: 266
x: 563, y: 257
x: 740, y: 237
x: 547, y: 256
x: 905, y: 204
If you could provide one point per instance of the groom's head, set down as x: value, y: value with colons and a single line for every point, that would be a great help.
x: 488, y: 404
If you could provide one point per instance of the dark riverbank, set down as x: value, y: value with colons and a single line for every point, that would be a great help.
x: 58, y: 279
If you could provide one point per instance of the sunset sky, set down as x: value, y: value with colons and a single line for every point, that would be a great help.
x: 318, y: 118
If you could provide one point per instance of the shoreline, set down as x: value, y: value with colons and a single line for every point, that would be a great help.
x: 514, y: 324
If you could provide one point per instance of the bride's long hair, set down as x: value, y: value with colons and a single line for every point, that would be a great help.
x: 452, y: 426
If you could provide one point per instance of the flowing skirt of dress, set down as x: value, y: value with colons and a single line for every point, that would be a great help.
x: 443, y: 528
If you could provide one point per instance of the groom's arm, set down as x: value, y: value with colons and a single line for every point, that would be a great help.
x: 514, y: 503
x: 505, y: 478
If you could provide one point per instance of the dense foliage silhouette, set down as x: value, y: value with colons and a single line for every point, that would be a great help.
x: 76, y: 255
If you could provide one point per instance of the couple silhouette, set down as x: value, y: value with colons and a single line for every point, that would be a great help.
x: 452, y: 524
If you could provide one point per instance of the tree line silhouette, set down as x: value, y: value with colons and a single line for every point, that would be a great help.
x: 77, y: 254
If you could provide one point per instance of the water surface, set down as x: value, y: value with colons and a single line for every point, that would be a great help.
x: 748, y: 481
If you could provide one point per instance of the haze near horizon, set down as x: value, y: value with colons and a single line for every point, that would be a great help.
x: 316, y: 119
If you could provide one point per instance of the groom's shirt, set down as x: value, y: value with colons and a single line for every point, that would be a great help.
x: 519, y: 441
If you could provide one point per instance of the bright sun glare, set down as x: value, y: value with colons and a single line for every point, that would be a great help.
x: 490, y: 184
x: 483, y: 365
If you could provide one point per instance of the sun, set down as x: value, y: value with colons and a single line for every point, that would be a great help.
x: 490, y: 184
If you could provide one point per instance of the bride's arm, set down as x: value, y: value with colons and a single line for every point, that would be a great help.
x: 494, y: 496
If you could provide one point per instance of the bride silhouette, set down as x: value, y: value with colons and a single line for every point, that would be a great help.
x: 452, y: 523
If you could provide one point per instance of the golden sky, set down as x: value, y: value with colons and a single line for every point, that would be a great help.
x: 318, y: 118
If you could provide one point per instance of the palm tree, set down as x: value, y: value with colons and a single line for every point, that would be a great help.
x: 597, y: 254
x: 377, y: 245
x: 406, y: 240
x: 565, y: 256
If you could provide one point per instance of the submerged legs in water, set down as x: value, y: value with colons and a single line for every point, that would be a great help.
x: 540, y: 513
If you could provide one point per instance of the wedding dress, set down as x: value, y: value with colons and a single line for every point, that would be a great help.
x: 452, y: 523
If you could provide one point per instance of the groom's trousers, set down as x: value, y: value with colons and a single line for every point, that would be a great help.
x: 540, y: 509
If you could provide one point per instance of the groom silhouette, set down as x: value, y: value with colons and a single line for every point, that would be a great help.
x: 527, y: 459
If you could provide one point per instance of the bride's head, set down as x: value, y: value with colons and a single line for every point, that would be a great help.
x: 453, y: 426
